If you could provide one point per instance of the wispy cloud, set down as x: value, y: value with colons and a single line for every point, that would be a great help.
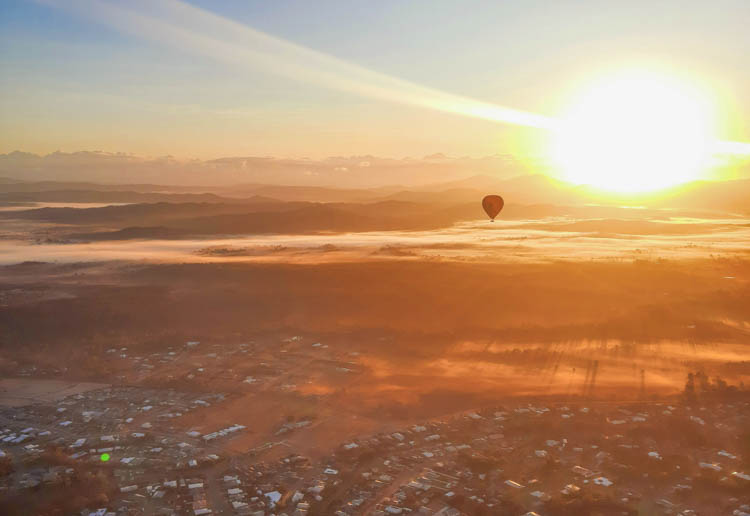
x: 200, y: 32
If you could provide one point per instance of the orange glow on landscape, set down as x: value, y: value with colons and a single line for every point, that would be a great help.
x: 359, y: 258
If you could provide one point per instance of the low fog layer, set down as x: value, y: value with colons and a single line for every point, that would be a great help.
x: 548, y: 239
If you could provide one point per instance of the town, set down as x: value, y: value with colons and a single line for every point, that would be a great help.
x: 137, y: 449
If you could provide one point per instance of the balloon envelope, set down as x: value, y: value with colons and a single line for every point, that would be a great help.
x: 492, y: 204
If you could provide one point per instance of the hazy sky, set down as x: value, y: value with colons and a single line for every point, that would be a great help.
x: 74, y: 79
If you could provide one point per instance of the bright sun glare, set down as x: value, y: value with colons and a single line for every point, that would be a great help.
x: 635, y: 132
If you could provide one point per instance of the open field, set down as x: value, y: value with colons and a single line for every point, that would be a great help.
x: 485, y: 329
x: 16, y: 392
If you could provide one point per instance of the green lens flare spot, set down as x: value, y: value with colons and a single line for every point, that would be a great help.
x: 104, y: 457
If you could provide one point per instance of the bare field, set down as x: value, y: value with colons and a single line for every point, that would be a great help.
x: 16, y: 392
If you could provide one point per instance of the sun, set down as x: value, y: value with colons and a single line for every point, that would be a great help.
x: 635, y: 131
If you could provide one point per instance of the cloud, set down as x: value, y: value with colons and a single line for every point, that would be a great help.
x: 201, y: 32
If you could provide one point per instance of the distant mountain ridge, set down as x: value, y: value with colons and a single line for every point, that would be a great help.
x: 525, y: 188
x: 338, y: 171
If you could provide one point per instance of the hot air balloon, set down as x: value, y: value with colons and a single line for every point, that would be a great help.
x: 492, y: 204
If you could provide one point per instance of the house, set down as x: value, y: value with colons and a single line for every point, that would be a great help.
x: 273, y: 497
x: 578, y: 470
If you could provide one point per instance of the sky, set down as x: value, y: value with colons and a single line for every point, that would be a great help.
x: 74, y: 76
